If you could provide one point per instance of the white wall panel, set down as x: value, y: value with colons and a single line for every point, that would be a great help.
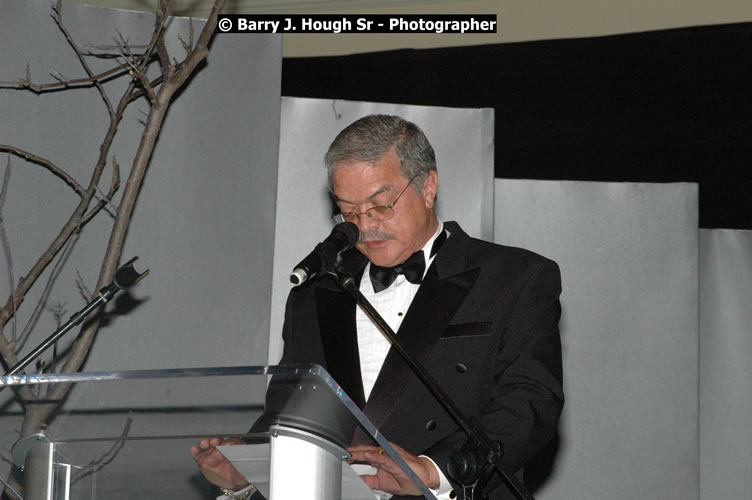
x: 462, y: 139
x: 628, y: 256
x: 725, y: 368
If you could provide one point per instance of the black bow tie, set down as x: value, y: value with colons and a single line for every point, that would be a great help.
x: 413, y: 268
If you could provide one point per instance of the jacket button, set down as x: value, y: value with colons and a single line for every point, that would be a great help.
x: 430, y: 425
x: 461, y: 367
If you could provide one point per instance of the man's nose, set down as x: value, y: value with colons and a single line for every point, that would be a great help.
x: 366, y: 223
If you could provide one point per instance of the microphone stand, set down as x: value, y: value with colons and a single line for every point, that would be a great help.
x: 125, y: 277
x: 474, y: 464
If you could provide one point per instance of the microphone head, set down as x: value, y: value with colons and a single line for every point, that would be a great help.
x: 126, y: 276
x: 350, y: 231
x: 298, y: 276
x: 343, y: 236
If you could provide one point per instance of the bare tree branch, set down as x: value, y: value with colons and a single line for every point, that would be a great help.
x: 107, y: 457
x: 171, y: 84
x: 161, y: 90
x: 107, y: 49
x: 73, y: 223
x: 105, y: 200
x: 6, y: 245
x: 58, y: 17
x: 59, y: 312
x: 31, y: 157
x: 26, y: 83
x: 188, y: 46
x: 154, y: 83
x: 82, y: 288
x: 145, y: 84
x: 38, y: 308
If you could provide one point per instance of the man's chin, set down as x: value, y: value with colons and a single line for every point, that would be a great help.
x: 377, y: 253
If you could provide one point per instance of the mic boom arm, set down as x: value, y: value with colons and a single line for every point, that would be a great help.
x: 125, y: 277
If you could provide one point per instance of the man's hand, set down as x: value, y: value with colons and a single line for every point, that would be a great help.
x: 389, y: 477
x: 215, y: 467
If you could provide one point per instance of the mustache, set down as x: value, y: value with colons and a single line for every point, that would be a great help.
x: 374, y: 235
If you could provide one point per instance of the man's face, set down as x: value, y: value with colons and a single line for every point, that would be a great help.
x: 359, y: 186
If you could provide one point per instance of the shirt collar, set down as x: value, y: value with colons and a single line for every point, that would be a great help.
x: 429, y: 244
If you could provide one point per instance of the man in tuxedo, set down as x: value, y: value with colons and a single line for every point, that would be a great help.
x: 482, y: 319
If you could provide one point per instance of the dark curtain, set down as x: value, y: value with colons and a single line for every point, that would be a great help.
x: 664, y: 106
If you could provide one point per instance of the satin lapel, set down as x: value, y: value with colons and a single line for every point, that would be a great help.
x: 336, y: 316
x: 431, y: 311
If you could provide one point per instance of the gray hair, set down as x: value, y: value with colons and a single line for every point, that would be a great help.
x: 369, y: 138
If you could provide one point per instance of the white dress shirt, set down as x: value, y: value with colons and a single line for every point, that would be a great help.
x: 392, y: 303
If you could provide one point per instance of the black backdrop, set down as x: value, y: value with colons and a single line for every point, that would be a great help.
x: 664, y: 106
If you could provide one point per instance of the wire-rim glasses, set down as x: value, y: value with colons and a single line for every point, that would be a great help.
x: 378, y: 213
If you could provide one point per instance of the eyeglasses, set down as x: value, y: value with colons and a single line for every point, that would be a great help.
x: 378, y: 213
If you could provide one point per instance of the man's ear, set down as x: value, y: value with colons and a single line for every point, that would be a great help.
x: 430, y: 186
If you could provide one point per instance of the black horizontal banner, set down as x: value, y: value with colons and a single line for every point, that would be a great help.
x: 377, y: 23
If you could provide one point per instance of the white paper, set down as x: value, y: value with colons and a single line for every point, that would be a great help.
x: 252, y: 460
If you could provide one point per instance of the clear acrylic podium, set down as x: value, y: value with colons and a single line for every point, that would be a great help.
x: 127, y: 434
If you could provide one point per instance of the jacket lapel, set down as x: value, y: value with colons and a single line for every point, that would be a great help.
x: 445, y: 287
x: 336, y: 316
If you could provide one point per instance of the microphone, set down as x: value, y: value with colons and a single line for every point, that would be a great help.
x: 343, y: 236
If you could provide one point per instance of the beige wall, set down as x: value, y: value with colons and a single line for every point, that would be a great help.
x: 519, y: 20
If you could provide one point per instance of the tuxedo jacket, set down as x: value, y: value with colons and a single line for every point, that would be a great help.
x: 484, y: 324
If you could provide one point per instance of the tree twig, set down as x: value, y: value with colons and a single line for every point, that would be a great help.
x: 26, y: 83
x: 6, y: 245
x: 31, y: 157
x: 106, y: 200
x: 57, y: 16
x: 107, y: 457
x: 39, y: 307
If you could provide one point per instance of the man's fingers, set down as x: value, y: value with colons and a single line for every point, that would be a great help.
x: 364, y: 448
x: 206, y: 448
x: 371, y: 454
x: 371, y: 481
